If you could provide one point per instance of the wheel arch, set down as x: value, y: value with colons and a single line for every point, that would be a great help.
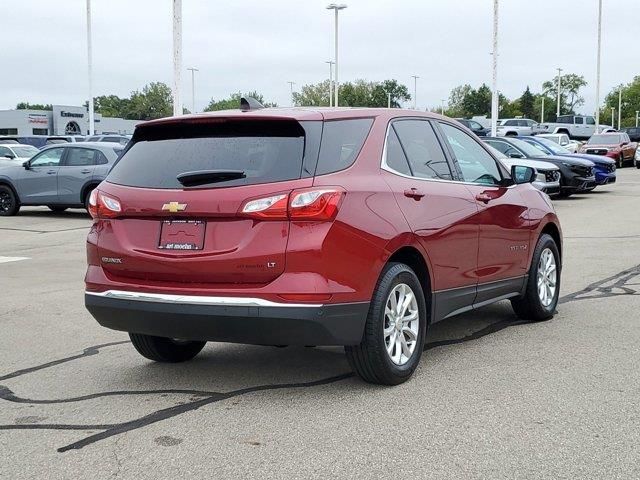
x: 7, y: 182
x: 414, y: 258
x: 90, y: 185
x: 553, y: 231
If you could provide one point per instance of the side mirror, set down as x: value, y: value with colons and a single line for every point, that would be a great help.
x: 26, y: 165
x: 10, y: 156
x: 625, y: 143
x: 521, y: 174
x: 516, y: 155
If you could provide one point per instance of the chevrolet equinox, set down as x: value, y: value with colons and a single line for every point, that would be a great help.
x: 310, y: 226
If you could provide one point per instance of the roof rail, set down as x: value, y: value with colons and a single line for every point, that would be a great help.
x: 249, y: 103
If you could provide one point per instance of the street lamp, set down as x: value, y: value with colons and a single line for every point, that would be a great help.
x: 494, y: 91
x: 613, y: 117
x: 559, y: 87
x: 619, y: 107
x: 544, y: 95
x: 388, y: 99
x: 291, y: 84
x: 598, y: 66
x: 442, y: 106
x: 330, y: 62
x: 336, y: 8
x: 177, y: 56
x: 193, y: 88
x: 90, y: 70
x: 637, y: 112
x: 415, y: 91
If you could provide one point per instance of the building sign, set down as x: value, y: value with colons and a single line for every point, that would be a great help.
x: 39, y: 118
x: 71, y: 114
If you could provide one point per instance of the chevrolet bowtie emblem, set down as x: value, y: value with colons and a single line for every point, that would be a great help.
x: 174, y: 207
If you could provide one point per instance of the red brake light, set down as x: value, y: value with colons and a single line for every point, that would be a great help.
x: 312, y: 204
x: 102, y: 205
x: 318, y: 203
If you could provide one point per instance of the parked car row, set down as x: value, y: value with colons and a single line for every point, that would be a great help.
x: 40, y: 141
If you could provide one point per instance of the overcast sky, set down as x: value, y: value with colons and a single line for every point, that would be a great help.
x: 256, y: 44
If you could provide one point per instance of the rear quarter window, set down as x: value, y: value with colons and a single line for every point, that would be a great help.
x: 341, y: 143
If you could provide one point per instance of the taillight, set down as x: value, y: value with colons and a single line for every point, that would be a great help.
x: 102, y: 205
x: 267, y: 208
x: 320, y: 204
x: 312, y: 204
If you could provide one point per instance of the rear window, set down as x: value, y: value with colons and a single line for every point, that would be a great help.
x: 266, y: 151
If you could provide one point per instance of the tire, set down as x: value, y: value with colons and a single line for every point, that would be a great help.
x: 511, y: 134
x: 531, y: 306
x: 166, y: 350
x: 55, y: 208
x: 370, y: 359
x: 9, y: 203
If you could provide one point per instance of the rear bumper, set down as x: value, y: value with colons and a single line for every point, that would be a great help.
x: 229, y: 319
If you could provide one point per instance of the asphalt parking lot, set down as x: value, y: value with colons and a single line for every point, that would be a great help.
x: 493, y: 397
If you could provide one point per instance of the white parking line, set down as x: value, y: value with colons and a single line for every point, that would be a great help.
x: 12, y: 259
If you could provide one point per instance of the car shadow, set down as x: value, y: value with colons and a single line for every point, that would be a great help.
x: 46, y: 213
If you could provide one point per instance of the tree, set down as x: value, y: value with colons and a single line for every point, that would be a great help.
x: 570, y: 86
x: 33, y: 106
x: 456, y: 105
x: 360, y: 93
x: 526, y: 103
x: 233, y: 102
x: 111, y: 105
x: 630, y: 103
x: 153, y: 102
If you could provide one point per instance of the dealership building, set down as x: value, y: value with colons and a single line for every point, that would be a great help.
x: 61, y: 120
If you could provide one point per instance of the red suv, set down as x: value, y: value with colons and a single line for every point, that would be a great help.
x: 354, y: 227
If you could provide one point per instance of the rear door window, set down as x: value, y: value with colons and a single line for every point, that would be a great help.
x: 341, y: 143
x: 422, y: 149
x: 265, y: 151
x: 395, y: 158
x: 79, y: 157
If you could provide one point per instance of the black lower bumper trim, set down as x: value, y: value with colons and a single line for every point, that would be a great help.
x: 339, y: 324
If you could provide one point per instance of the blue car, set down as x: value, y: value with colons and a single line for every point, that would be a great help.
x: 605, y: 168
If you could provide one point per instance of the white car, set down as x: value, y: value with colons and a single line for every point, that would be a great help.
x: 563, y: 140
x: 516, y: 127
x: 16, y: 152
x: 547, y: 174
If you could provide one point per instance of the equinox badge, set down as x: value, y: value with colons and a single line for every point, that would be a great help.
x: 174, y: 207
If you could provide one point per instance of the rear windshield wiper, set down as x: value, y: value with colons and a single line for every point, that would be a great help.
x: 203, y: 177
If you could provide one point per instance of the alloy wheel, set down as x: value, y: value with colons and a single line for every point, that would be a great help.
x: 401, y: 324
x: 547, y: 277
x: 6, y: 202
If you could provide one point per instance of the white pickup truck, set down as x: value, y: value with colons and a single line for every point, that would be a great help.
x: 576, y: 126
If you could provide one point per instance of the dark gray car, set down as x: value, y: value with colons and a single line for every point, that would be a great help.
x: 60, y: 176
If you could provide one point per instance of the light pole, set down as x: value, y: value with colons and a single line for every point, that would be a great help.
x: 388, y: 99
x: 336, y: 8
x: 544, y: 95
x: 619, y: 107
x: 291, y: 84
x: 598, y: 66
x: 559, y: 87
x: 193, y: 88
x: 90, y: 70
x: 330, y: 62
x: 177, y: 56
x: 613, y: 117
x: 494, y: 91
x: 442, y: 106
x: 637, y: 112
x: 415, y: 91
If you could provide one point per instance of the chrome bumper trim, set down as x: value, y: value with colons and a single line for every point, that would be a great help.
x: 196, y: 299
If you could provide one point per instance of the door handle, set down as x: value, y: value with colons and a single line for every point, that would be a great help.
x: 413, y: 193
x: 85, y: 171
x: 483, y: 197
x: 51, y: 172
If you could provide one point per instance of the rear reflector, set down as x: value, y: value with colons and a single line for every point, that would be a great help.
x: 310, y: 204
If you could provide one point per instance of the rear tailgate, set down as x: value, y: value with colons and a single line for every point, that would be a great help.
x: 168, y: 233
